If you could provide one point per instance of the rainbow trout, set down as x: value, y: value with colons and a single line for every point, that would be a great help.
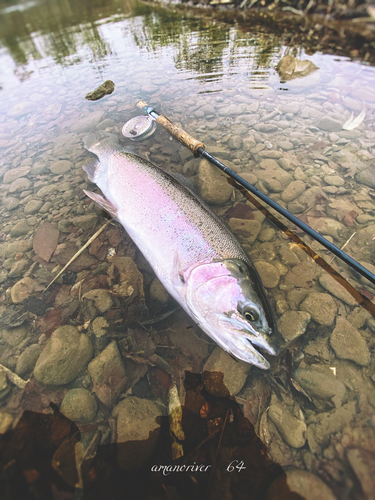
x: 192, y: 252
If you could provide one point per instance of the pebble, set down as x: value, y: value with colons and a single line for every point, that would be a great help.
x: 26, y: 361
x: 87, y: 221
x: 14, y: 174
x: 108, y: 374
x: 324, y: 385
x: 21, y: 184
x: 18, y: 268
x: 269, y: 169
x: 265, y: 127
x: 305, y: 484
x: 99, y: 328
x: 224, y: 376
x: 334, y: 180
x: 348, y: 343
x: 45, y: 240
x: 6, y: 421
x: 65, y: 355
x: 20, y: 228
x: 138, y: 429
x: 158, y: 292
x: 22, y: 290
x: 271, y: 153
x: 10, y: 249
x: 15, y: 335
x: 245, y: 229
x: 321, y: 306
x: 336, y: 289
x: 11, y: 203
x: 291, y: 428
x: 268, y: 273
x: 293, y: 324
x: 212, y: 184
x: 235, y: 142
x: 79, y: 405
x: 288, y: 257
x: 366, y: 177
x: 102, y: 299
x: 32, y: 206
x: 293, y: 190
x: 266, y: 234
x: 286, y: 145
x: 329, y: 124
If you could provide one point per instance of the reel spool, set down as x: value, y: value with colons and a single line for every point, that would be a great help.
x: 139, y: 128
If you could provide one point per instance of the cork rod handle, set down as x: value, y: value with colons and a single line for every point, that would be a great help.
x: 176, y: 131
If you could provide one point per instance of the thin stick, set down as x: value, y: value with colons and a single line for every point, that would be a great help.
x: 79, y: 252
x: 12, y: 377
x: 342, y: 248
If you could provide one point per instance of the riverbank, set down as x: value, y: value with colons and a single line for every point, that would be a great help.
x: 345, y: 30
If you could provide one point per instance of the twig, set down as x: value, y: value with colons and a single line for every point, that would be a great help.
x: 12, y: 377
x: 342, y: 248
x: 79, y: 252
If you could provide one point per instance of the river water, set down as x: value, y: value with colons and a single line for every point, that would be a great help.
x: 139, y: 386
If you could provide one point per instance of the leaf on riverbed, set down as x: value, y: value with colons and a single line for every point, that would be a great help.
x: 352, y: 122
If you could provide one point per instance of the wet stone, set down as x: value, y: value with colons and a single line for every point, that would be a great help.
x: 15, y: 173
x: 266, y: 234
x: 10, y: 249
x: 271, y: 153
x: 14, y: 336
x: 367, y: 177
x: 286, y: 145
x: 99, y: 328
x: 20, y: 228
x: 348, y: 343
x: 288, y: 257
x: 102, y: 299
x: 321, y: 306
x: 87, y: 221
x: 336, y: 289
x: 291, y: 428
x: 65, y: 355
x: 60, y: 167
x: 245, y: 228
x: 235, y: 142
x: 329, y: 124
x: 293, y: 190
x: 293, y: 324
x: 18, y: 268
x: 11, y: 203
x: 22, y: 290
x: 268, y: 273
x: 32, y: 206
x: 212, y: 184
x: 363, y: 464
x: 26, y: 361
x: 324, y: 385
x: 108, y: 374
x: 334, y: 180
x: 265, y: 127
x: 158, y: 292
x: 79, y: 405
x: 21, y: 184
x: 138, y: 428
x: 222, y: 375
x: 45, y: 240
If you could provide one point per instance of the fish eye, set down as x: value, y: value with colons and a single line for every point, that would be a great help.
x: 251, y: 314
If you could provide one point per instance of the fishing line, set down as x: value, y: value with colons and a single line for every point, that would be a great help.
x: 197, y: 148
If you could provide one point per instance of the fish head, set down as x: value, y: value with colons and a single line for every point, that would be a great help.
x: 227, y: 300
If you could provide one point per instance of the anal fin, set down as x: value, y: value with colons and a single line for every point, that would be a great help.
x: 105, y: 204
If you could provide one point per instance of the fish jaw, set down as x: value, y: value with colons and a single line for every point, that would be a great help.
x: 221, y: 298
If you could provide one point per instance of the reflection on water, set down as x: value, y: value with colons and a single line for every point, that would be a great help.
x: 104, y: 343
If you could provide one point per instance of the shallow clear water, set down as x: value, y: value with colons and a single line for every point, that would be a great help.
x: 313, y: 412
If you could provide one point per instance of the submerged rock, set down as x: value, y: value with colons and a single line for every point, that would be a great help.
x: 348, y: 343
x: 212, y: 185
x: 108, y: 374
x: 26, y: 361
x: 291, y: 428
x: 324, y: 385
x: 22, y: 290
x: 79, y: 405
x: 321, y: 306
x: 104, y: 89
x: 45, y: 240
x: 65, y: 355
x: 293, y: 324
x: 138, y: 429
x: 222, y: 375
x: 336, y: 289
x: 290, y: 67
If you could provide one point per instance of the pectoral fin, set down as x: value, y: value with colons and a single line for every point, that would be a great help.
x: 105, y: 204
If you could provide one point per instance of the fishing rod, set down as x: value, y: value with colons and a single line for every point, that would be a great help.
x: 138, y: 130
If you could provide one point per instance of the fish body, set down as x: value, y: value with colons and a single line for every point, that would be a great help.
x: 192, y: 252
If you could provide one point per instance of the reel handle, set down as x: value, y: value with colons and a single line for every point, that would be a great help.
x: 176, y: 131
